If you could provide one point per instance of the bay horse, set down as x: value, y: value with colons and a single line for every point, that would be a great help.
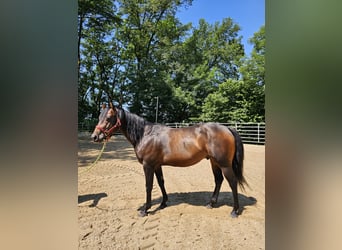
x: 156, y: 145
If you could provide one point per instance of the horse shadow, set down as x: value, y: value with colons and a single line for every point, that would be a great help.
x: 202, y: 198
x: 95, y: 197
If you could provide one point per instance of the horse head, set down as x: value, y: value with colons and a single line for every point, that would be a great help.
x: 109, y: 123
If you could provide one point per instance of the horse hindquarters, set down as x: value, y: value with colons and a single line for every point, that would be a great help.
x: 227, y: 156
x: 234, y: 174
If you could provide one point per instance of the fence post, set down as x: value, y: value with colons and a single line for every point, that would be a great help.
x: 258, y: 132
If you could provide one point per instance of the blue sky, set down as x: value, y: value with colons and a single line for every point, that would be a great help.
x: 248, y: 14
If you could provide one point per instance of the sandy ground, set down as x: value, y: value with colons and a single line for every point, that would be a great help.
x: 111, y: 192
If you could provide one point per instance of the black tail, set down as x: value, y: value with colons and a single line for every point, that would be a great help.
x: 238, y: 159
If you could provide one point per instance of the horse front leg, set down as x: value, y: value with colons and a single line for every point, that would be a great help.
x: 159, y: 174
x: 148, y: 170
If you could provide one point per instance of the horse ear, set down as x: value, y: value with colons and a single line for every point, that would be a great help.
x: 111, y: 105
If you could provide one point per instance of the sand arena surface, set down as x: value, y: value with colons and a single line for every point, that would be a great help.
x: 111, y: 192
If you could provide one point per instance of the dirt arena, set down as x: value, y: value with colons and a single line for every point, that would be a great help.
x: 111, y: 192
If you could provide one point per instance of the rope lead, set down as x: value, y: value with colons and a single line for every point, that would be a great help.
x: 94, y: 163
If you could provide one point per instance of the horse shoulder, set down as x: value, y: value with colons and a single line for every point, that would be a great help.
x: 150, y: 148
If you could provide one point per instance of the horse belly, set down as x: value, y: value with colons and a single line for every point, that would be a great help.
x: 184, y: 148
x: 183, y: 159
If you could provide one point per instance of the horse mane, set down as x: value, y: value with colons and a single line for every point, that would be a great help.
x: 133, y: 126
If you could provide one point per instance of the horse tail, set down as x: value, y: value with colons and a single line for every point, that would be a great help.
x: 238, y: 159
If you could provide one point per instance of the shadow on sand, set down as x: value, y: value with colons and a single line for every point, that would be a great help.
x: 202, y: 199
x: 95, y: 197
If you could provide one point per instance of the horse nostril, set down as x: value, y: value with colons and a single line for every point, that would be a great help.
x: 95, y: 138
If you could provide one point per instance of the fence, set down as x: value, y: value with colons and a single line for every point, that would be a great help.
x: 251, y: 133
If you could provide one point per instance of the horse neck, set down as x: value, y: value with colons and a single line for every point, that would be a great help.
x: 132, y: 126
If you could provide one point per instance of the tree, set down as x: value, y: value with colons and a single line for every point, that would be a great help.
x: 96, y: 19
x: 133, y: 51
x: 209, y: 56
x: 149, y: 31
x: 253, y: 74
x: 241, y: 100
x: 94, y: 13
x: 227, y: 104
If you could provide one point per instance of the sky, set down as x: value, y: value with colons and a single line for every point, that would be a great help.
x: 248, y: 14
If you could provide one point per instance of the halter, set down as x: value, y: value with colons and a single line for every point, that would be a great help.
x: 109, y: 132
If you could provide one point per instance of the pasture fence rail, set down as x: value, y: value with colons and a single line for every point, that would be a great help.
x: 251, y: 133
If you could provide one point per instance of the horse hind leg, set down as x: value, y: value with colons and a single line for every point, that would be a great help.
x: 159, y: 174
x: 229, y: 175
x: 218, y: 182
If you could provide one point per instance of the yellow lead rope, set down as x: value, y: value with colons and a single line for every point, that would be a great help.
x: 94, y: 163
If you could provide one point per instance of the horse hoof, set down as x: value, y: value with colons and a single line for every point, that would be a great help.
x: 162, y: 206
x: 209, y: 206
x: 234, y: 214
x: 142, y: 213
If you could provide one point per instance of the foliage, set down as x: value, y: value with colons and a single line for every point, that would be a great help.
x: 204, y: 60
x: 149, y: 32
x: 241, y: 100
x: 133, y: 51
x: 96, y: 21
x: 253, y: 74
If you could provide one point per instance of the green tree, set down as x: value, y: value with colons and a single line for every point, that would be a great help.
x: 133, y: 51
x: 96, y: 20
x: 253, y: 74
x: 209, y: 56
x: 148, y: 33
x: 241, y: 100
x: 227, y: 104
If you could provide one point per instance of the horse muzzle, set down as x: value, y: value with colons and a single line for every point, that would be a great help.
x: 97, y: 138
